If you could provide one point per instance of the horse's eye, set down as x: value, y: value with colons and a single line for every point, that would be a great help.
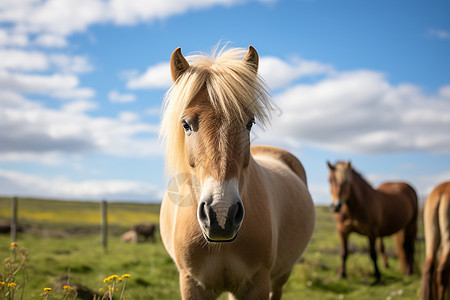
x: 186, y: 126
x: 250, y: 124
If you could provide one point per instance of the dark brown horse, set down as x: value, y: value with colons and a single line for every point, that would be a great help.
x: 390, y: 209
x: 146, y: 230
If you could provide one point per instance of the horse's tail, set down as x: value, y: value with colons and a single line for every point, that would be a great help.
x: 405, y: 239
x: 431, y: 226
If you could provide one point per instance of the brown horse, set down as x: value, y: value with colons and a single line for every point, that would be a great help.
x: 391, y: 208
x: 239, y: 218
x: 436, y: 218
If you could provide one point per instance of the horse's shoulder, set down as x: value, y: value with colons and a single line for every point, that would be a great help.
x: 285, y: 156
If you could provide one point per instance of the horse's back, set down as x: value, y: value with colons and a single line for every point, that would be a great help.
x: 400, y: 190
x: 284, y: 156
x: 400, y: 206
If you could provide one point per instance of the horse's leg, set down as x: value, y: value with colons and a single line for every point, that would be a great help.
x: 432, y: 240
x: 443, y: 270
x: 373, y: 256
x: 277, y: 286
x: 409, y: 246
x: 343, y: 237
x: 383, y: 253
x: 191, y: 289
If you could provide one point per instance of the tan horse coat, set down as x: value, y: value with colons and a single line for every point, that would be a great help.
x: 436, y: 268
x: 209, y: 114
x: 278, y: 223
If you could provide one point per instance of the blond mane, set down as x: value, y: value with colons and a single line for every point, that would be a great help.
x: 234, y: 92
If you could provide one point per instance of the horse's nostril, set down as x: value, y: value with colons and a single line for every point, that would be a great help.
x: 202, y: 215
x: 239, y: 215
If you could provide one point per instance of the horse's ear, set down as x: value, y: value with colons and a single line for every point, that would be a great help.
x: 330, y: 166
x: 178, y: 64
x: 348, y: 165
x: 252, y: 58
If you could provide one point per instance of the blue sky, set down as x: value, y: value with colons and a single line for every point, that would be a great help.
x: 82, y: 82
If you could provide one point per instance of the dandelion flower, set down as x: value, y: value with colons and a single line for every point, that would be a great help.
x: 14, y: 245
x: 106, y: 280
x: 12, y: 284
x: 113, y: 277
x: 67, y: 287
x: 126, y: 276
x: 47, y: 289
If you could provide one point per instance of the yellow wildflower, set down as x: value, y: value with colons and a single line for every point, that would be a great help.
x: 12, y: 284
x: 14, y: 245
x: 108, y: 279
x: 126, y: 276
x: 67, y: 287
x: 113, y: 277
x: 47, y: 289
x: 100, y: 290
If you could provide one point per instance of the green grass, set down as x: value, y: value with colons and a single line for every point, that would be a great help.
x: 153, y: 274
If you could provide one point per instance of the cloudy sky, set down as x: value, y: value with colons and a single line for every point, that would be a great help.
x: 82, y: 82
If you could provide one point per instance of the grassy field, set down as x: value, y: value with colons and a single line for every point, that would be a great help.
x: 62, y: 236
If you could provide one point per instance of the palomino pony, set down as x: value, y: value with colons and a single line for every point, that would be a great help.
x: 436, y: 218
x: 389, y: 209
x: 248, y: 215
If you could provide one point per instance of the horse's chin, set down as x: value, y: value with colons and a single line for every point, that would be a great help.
x: 219, y: 240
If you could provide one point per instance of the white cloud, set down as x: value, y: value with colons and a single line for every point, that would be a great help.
x: 360, y: 112
x: 157, y: 77
x: 444, y: 92
x: 13, y: 39
x: 51, y: 41
x: 27, y: 61
x: 153, y: 111
x: 23, y: 60
x: 423, y: 184
x: 439, y: 34
x: 21, y: 184
x: 56, y: 85
x: 128, y: 117
x: 64, y: 17
x: 29, y: 128
x: 71, y: 64
x: 79, y: 106
x: 115, y: 96
x: 126, y: 12
x: 278, y: 73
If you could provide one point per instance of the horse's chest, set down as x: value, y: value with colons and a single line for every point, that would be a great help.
x: 221, y: 271
x: 354, y: 225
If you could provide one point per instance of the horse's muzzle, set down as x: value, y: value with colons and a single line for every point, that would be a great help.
x: 336, y: 207
x: 219, y: 224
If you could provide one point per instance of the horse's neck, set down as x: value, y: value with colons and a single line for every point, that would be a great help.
x: 360, y: 192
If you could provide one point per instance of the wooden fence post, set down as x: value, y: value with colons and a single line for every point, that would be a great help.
x: 104, y: 227
x: 13, y: 225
